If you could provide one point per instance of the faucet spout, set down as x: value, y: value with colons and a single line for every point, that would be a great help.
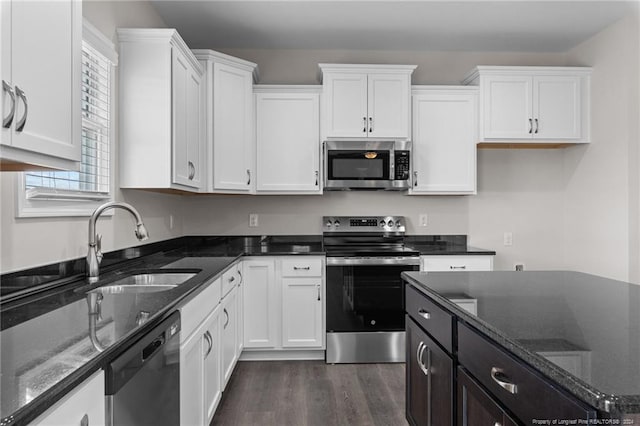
x: 94, y: 255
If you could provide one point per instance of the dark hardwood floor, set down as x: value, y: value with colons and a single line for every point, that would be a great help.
x: 313, y: 393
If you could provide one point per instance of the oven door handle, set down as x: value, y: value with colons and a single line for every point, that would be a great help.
x: 358, y: 261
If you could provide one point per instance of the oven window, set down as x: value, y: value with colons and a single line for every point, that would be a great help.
x: 354, y: 165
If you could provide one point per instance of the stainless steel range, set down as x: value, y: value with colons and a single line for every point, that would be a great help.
x: 365, y: 294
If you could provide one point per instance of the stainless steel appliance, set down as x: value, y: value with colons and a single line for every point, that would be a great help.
x: 143, y: 383
x: 367, y: 165
x: 365, y: 294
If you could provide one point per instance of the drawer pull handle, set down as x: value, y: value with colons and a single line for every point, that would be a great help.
x: 301, y: 268
x: 498, y: 376
x: 424, y: 314
x: 452, y: 267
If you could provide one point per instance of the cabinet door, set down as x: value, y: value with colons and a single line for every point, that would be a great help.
x: 429, y: 376
x: 288, y: 142
x: 346, y: 104
x: 229, y: 334
x: 477, y: 408
x: 211, y: 361
x: 260, y: 304
x: 192, y: 379
x: 444, y: 142
x: 84, y: 405
x: 389, y: 106
x: 232, y: 130
x: 186, y: 138
x: 507, y: 107
x: 302, y: 312
x: 43, y: 62
x: 557, y: 107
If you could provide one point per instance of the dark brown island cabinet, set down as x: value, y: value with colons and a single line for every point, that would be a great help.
x: 457, y: 376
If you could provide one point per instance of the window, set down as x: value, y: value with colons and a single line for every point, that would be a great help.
x: 78, y: 193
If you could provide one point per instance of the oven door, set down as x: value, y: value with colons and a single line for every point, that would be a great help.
x: 365, y: 295
x: 358, y: 164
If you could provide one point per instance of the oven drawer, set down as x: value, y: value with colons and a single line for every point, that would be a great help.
x: 532, y: 397
x: 302, y: 266
x: 431, y: 317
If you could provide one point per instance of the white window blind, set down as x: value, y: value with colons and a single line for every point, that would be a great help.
x: 92, y: 180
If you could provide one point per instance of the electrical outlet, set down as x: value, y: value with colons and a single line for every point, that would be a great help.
x: 253, y: 220
x: 519, y: 267
x: 423, y: 219
x: 508, y: 239
x: 170, y: 221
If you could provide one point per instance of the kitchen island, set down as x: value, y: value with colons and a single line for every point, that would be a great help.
x: 549, y: 345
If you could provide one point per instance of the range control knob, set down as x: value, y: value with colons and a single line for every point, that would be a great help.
x: 336, y: 223
x: 328, y: 224
x: 398, y: 224
x: 390, y: 223
x: 382, y: 223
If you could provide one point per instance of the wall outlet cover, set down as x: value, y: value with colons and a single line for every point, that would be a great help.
x: 253, y: 220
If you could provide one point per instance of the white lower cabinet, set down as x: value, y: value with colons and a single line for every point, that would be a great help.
x: 283, y: 304
x: 200, y: 357
x: 83, y: 406
x: 440, y: 263
x: 229, y: 334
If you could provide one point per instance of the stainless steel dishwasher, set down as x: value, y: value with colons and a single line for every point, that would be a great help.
x: 143, y: 383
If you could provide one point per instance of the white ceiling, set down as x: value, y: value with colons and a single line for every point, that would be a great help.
x: 472, y: 25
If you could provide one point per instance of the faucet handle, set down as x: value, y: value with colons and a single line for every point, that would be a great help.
x: 99, y: 255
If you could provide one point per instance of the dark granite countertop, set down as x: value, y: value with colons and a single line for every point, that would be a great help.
x: 447, y: 245
x: 531, y: 312
x: 45, y: 349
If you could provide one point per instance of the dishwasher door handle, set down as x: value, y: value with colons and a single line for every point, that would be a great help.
x: 152, y: 347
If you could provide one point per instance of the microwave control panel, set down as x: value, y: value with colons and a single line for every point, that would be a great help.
x: 402, y: 165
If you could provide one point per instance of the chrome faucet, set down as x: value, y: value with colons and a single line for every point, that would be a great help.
x: 94, y: 256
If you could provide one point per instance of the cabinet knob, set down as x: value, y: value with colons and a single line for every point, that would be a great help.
x: 6, y: 121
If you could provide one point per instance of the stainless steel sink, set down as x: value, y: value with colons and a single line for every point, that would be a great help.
x: 146, y: 283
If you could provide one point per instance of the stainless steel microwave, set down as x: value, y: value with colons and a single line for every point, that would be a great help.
x: 367, y: 165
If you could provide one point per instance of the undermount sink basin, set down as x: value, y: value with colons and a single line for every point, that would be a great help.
x: 146, y: 283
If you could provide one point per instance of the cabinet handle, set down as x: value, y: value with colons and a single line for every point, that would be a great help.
x: 240, y: 275
x: 497, y: 424
x: 415, y: 178
x: 6, y: 121
x: 85, y: 420
x: 530, y: 126
x: 316, y: 172
x: 418, y: 353
x: 192, y: 170
x: 453, y: 267
x: 20, y: 124
x: 224, y: 327
x: 370, y: 124
x: 364, y: 121
x: 248, y: 177
x: 424, y: 314
x: 426, y: 369
x: 318, y: 287
x: 301, y: 268
x: 209, y: 339
x: 536, y: 131
x: 499, y: 377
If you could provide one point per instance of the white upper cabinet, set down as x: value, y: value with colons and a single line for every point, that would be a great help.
x: 161, y: 131
x: 40, y: 66
x: 533, y: 104
x: 367, y: 101
x: 287, y: 139
x: 229, y: 121
x: 445, y: 131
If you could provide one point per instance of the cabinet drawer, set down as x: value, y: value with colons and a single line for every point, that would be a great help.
x: 230, y: 279
x: 197, y: 309
x: 532, y: 397
x: 456, y: 263
x: 430, y: 316
x: 302, y: 266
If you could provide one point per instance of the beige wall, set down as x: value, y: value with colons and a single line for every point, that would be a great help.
x: 601, y: 181
x: 31, y: 242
